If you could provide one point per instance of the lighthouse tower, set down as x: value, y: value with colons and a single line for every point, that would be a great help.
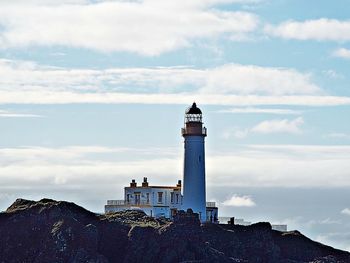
x: 194, y: 162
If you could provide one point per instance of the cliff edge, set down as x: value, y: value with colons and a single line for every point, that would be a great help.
x: 59, y: 232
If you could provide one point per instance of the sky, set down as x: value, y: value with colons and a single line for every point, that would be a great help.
x: 93, y: 94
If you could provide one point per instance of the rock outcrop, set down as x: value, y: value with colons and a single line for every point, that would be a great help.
x: 55, y: 231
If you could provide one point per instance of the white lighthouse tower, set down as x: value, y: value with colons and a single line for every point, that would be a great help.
x: 194, y: 162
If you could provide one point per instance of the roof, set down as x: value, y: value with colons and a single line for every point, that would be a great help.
x: 193, y: 109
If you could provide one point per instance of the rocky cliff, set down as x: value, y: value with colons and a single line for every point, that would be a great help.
x: 52, y: 231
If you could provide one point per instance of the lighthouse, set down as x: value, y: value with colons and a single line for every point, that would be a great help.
x: 165, y: 201
x: 194, y: 162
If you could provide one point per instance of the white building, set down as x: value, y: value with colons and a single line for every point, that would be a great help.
x: 165, y: 201
x: 156, y: 201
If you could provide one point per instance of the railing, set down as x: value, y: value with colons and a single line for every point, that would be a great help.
x: 211, y: 204
x: 115, y: 202
x: 193, y: 118
x: 139, y: 202
x: 124, y: 203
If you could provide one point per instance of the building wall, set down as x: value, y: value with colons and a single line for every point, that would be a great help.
x: 154, y: 201
x: 157, y: 201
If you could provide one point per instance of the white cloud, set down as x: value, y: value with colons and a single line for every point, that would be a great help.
x: 262, y: 110
x: 279, y: 126
x: 266, y: 127
x: 84, y: 166
x: 248, y: 79
x: 8, y: 114
x: 104, y: 171
x: 332, y: 74
x: 95, y: 166
x: 231, y: 84
x: 342, y: 53
x: 281, y: 166
x: 52, y: 97
x: 328, y: 221
x: 323, y: 149
x: 240, y: 201
x: 18, y: 3
x: 81, y: 2
x: 338, y: 135
x: 235, y: 132
x: 225, y: 79
x: 73, y: 152
x: 149, y: 27
x: 320, y: 29
x: 346, y: 211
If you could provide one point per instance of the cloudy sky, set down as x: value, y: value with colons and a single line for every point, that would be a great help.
x: 93, y: 92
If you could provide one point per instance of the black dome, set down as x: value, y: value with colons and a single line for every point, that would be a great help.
x: 193, y: 109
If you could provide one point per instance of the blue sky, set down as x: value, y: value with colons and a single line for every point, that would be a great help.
x: 92, y: 95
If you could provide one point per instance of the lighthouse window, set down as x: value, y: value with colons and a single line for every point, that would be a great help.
x: 177, y: 198
x: 199, y: 158
x: 160, y: 197
x: 128, y: 198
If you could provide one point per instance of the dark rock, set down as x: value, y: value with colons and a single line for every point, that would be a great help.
x: 187, y: 218
x: 58, y: 232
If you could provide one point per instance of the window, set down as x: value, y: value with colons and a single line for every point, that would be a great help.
x: 160, y: 197
x: 137, y: 198
x: 128, y: 198
x: 177, y: 198
x: 147, y: 198
x: 172, y: 197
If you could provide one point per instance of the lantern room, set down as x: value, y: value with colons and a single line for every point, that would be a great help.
x: 193, y: 122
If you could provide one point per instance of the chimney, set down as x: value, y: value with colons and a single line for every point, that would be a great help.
x: 133, y: 183
x: 144, y: 183
x: 178, y: 183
